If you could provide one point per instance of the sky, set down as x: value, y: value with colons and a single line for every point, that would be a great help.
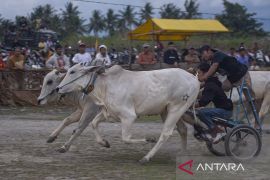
x: 10, y: 8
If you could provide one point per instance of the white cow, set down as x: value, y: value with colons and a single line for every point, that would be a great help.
x: 261, y: 86
x: 125, y: 95
x: 85, y: 112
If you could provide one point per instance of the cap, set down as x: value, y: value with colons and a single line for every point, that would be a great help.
x: 81, y: 44
x: 146, y: 45
x: 102, y: 46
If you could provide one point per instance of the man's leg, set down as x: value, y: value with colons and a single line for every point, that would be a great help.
x: 227, y: 85
x: 207, y: 114
x: 204, y: 116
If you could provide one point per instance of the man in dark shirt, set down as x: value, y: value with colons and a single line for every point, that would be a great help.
x: 213, y: 92
x: 225, y: 65
x: 171, y: 56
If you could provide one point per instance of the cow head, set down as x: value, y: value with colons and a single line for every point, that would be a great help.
x: 50, y: 82
x: 78, y: 77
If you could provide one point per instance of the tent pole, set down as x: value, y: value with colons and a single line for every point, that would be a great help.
x: 154, y: 37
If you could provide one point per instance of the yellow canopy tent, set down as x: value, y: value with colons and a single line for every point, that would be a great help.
x: 175, y: 29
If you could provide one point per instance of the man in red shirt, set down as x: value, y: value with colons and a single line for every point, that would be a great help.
x: 147, y: 56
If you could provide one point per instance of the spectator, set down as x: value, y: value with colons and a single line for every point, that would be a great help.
x: 102, y: 56
x: 2, y: 63
x: 192, y: 57
x: 242, y: 45
x: 59, y: 59
x: 82, y: 56
x: 34, y: 60
x: 258, y: 55
x: 113, y: 55
x: 243, y: 57
x: 16, y: 61
x: 232, y: 52
x: 147, y: 56
x: 171, y: 56
x: 42, y: 45
x: 49, y: 42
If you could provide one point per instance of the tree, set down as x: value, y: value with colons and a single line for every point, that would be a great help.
x: 238, y: 20
x: 146, y: 12
x: 111, y: 22
x: 127, y: 19
x: 46, y: 17
x: 170, y: 11
x: 71, y: 21
x: 97, y: 23
x: 5, y: 25
x: 191, y: 8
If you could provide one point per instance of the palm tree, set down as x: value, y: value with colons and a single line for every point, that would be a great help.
x: 97, y: 23
x: 48, y: 17
x: 111, y: 22
x: 170, y: 11
x: 146, y: 12
x: 72, y: 23
x: 127, y: 18
x: 5, y: 24
x: 192, y: 8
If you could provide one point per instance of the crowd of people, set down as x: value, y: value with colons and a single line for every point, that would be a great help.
x: 52, y: 55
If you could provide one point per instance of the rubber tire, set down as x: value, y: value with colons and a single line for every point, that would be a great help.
x: 213, y: 151
x: 235, y: 129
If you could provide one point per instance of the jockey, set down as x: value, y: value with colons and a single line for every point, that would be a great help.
x: 225, y: 65
x: 213, y: 92
x: 102, y: 56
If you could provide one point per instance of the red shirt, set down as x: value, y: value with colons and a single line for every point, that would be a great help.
x: 146, y: 58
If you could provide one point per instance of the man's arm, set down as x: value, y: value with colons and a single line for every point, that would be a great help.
x: 67, y: 63
x: 75, y: 59
x: 140, y: 59
x: 153, y: 59
x: 211, y: 71
x: 208, y: 95
x: 177, y: 57
x: 50, y: 62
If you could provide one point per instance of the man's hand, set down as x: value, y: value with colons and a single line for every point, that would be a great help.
x: 211, y: 71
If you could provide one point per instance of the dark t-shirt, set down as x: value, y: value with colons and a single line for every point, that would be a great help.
x: 229, y: 66
x: 171, y: 56
x: 213, y: 92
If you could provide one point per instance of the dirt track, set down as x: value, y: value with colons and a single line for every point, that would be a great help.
x: 24, y: 153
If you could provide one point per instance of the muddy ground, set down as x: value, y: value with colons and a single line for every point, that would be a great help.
x: 24, y: 153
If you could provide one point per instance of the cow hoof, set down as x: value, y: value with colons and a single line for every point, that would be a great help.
x: 143, y: 161
x: 106, y: 144
x: 62, y: 150
x: 151, y: 140
x: 51, y: 139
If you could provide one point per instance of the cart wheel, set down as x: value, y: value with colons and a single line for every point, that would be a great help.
x: 217, y: 149
x: 243, y: 143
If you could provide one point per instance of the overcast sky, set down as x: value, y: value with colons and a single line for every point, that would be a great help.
x: 11, y: 8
